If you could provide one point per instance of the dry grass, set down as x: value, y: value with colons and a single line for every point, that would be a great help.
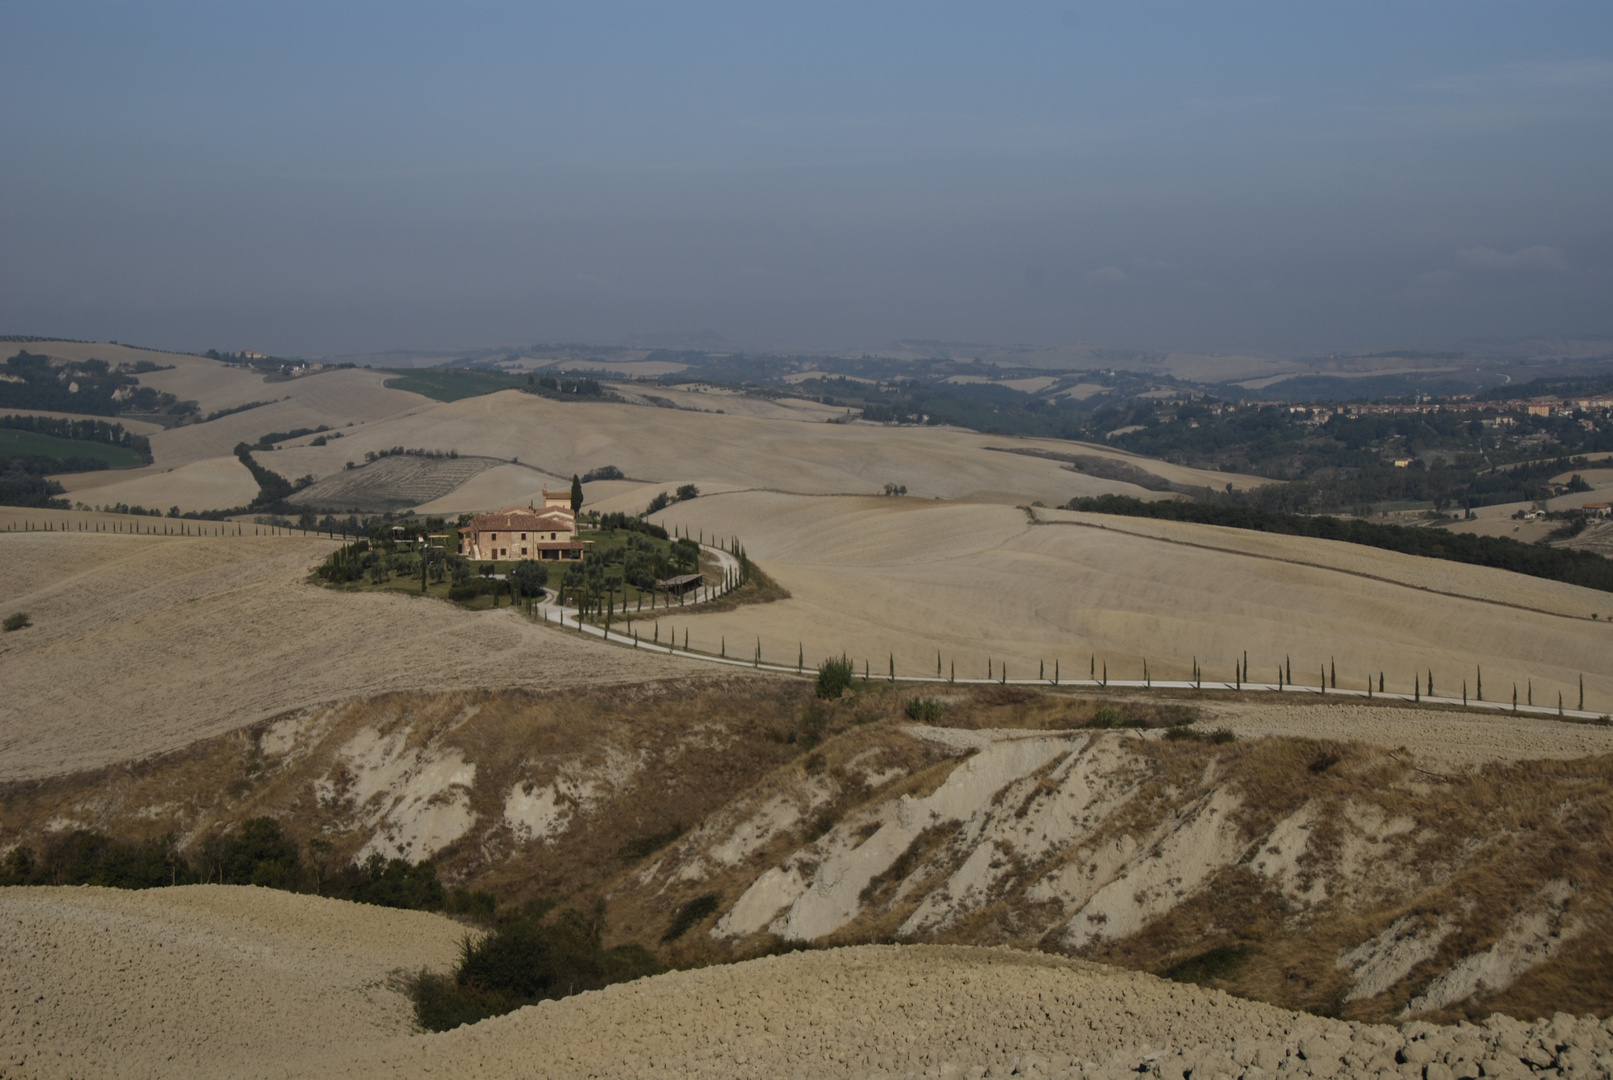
x: 169, y: 639
x: 980, y: 585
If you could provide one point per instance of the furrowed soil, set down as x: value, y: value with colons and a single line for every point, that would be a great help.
x: 202, y: 980
x: 248, y: 983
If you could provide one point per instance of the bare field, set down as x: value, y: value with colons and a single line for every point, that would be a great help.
x: 209, y: 484
x: 1445, y: 740
x: 202, y: 980
x: 245, y: 982
x: 727, y: 452
x: 142, y: 644
x: 872, y: 577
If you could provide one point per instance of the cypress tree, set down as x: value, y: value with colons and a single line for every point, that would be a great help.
x: 1582, y: 693
x: 1333, y: 671
x: 1289, y: 661
x: 893, y: 667
x: 1478, y: 687
x: 1041, y: 669
x: 576, y: 493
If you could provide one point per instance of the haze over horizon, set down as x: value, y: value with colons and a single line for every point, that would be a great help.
x: 315, y: 180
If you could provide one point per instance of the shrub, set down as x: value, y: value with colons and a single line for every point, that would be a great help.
x: 522, y: 962
x: 634, y: 850
x: 924, y: 709
x: 1106, y: 718
x: 16, y: 621
x: 1219, y: 963
x: 834, y: 678
x: 1219, y: 735
x: 463, y: 593
x: 701, y: 907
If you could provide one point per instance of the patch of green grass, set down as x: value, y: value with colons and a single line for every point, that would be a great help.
x: 452, y: 384
x: 15, y: 443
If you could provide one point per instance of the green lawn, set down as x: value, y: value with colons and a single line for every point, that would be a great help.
x: 451, y: 384
x: 15, y: 443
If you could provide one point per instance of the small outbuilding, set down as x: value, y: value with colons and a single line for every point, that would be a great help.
x: 682, y: 584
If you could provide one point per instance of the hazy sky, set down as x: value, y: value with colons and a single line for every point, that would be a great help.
x: 325, y: 178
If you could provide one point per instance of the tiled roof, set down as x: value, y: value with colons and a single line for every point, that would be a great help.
x: 515, y: 520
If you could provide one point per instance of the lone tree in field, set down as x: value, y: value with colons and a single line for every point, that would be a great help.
x: 576, y: 493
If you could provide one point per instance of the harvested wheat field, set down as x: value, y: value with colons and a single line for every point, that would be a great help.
x: 728, y: 452
x: 141, y: 644
x: 981, y: 585
x: 208, y: 484
x: 202, y: 980
x: 1448, y: 740
x: 244, y: 982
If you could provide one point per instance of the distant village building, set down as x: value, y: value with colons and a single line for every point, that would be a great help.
x: 524, y: 532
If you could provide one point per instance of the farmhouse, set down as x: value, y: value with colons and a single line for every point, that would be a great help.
x: 524, y: 532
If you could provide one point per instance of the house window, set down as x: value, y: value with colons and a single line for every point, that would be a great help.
x: 492, y: 536
x: 504, y: 551
x: 523, y: 551
x: 523, y: 536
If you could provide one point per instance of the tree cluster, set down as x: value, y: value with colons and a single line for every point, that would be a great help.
x: 1536, y: 560
x: 258, y: 853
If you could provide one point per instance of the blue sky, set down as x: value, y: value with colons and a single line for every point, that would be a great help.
x: 326, y: 178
